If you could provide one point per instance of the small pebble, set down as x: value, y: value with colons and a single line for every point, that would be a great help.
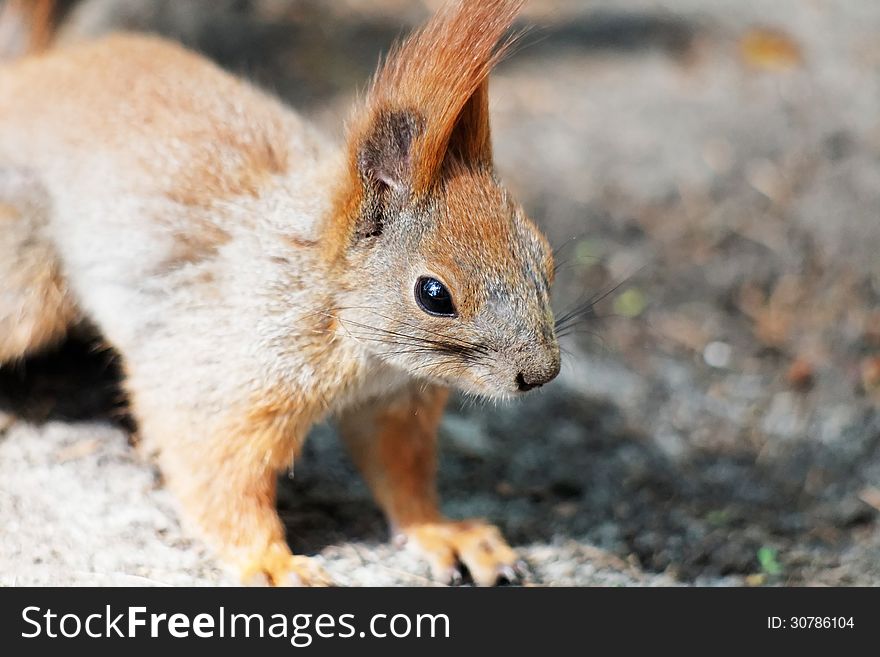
x: 717, y: 354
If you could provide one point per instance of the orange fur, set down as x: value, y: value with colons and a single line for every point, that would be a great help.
x: 208, y: 182
x: 440, y: 74
x: 27, y: 26
x: 212, y: 162
x: 39, y: 309
x: 437, y: 71
x: 394, y: 445
x: 224, y: 472
x: 194, y: 247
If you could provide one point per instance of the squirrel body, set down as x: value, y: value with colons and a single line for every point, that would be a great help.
x: 257, y: 278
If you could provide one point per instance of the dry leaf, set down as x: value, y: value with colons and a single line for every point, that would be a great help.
x: 871, y: 373
x: 870, y: 496
x: 800, y: 375
x: 768, y: 49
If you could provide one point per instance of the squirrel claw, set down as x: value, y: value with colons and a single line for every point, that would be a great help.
x: 277, y: 567
x: 455, y: 577
x: 508, y: 574
x: 472, y: 544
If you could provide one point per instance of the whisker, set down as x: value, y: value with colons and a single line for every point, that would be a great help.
x: 462, y: 341
x: 584, y: 310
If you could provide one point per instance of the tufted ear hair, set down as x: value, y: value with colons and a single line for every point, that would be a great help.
x: 428, y: 102
x: 384, y: 167
x: 384, y: 156
x: 470, y: 142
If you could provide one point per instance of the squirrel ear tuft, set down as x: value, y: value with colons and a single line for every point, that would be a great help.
x: 385, y: 154
x: 470, y: 142
x: 385, y: 166
x: 437, y: 75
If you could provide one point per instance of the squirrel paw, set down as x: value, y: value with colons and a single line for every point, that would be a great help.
x: 278, y: 567
x: 474, y: 544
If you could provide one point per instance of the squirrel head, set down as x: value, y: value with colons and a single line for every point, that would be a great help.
x: 446, y: 277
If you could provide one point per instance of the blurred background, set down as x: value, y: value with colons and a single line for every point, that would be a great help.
x: 709, y: 173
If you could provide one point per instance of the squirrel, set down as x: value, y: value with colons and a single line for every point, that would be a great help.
x: 256, y: 277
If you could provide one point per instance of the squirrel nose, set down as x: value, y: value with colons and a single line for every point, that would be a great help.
x: 535, y: 379
x: 524, y: 385
x: 539, y: 366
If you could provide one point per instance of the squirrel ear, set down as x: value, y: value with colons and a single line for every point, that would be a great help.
x: 470, y: 142
x: 385, y: 154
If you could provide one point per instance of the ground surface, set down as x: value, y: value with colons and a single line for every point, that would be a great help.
x: 716, y: 422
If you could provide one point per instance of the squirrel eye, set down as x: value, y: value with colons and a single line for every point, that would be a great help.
x: 434, y: 298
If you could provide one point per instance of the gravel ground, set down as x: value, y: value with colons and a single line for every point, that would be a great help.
x: 716, y: 421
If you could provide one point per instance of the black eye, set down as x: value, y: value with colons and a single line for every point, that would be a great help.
x: 434, y: 298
